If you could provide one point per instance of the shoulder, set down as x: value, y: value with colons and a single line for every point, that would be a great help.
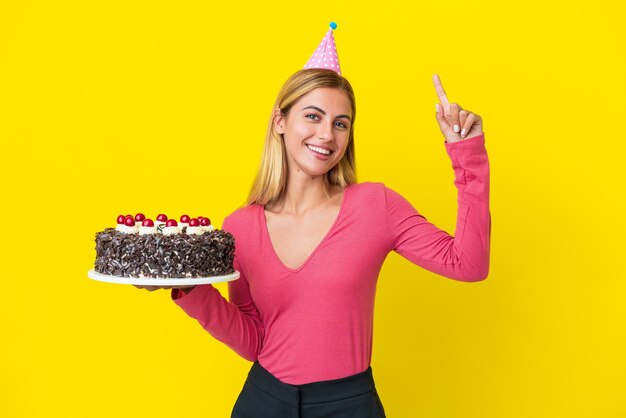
x: 374, y: 190
x: 367, y: 197
x: 376, y: 194
x: 240, y: 218
x: 366, y: 188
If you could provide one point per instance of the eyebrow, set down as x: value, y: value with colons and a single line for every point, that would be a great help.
x: 324, y: 113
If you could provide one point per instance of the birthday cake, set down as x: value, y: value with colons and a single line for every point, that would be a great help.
x: 164, y: 248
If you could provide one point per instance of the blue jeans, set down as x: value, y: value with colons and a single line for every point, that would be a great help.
x: 264, y: 396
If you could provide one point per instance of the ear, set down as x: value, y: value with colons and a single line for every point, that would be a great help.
x: 279, y: 121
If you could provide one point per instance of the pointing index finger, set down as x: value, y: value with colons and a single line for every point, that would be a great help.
x: 440, y: 92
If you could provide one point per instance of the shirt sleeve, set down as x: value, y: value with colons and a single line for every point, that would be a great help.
x: 236, y: 323
x: 464, y: 256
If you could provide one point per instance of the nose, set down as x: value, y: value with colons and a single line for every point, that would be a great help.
x: 325, y: 131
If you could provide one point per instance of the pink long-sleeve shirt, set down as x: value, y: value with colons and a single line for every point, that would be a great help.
x: 316, y: 322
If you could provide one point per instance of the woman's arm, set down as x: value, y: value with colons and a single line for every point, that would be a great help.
x: 464, y: 256
x: 236, y: 323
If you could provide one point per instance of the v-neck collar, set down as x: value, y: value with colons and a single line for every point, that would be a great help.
x: 266, y: 232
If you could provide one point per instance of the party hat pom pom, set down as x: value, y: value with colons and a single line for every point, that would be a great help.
x: 333, y: 25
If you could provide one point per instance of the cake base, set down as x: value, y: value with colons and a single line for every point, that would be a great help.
x: 151, y: 281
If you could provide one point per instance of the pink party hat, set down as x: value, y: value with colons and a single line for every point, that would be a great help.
x: 325, y: 56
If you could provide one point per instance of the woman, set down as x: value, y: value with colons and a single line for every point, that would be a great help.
x: 310, y: 242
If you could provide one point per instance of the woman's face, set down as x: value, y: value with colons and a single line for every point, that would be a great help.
x: 320, y: 119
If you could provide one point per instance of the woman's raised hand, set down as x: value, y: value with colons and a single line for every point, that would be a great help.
x: 456, y: 123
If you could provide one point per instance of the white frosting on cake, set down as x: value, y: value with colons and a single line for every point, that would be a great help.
x: 194, y: 230
x: 171, y: 230
x: 143, y: 230
x: 160, y: 228
x: 127, y: 229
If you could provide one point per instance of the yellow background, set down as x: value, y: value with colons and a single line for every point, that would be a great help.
x: 124, y: 106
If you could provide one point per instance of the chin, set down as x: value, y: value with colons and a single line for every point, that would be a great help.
x: 315, y: 171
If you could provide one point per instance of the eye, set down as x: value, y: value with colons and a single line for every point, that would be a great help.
x: 342, y: 125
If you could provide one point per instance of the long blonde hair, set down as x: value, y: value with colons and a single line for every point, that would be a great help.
x: 271, y: 180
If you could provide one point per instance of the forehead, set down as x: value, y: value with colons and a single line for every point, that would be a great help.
x: 332, y: 100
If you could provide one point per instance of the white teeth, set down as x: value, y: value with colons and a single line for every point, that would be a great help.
x: 318, y: 149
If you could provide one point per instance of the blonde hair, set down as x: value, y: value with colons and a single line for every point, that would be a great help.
x: 271, y: 180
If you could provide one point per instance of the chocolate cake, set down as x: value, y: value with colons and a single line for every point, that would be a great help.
x: 168, y: 250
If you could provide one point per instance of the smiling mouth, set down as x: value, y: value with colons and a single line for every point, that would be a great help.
x: 319, y: 150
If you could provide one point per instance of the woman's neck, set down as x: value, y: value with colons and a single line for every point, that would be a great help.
x: 301, y: 197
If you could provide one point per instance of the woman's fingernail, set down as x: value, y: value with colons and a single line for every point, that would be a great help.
x: 456, y: 128
x: 437, y: 107
x: 463, y: 132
